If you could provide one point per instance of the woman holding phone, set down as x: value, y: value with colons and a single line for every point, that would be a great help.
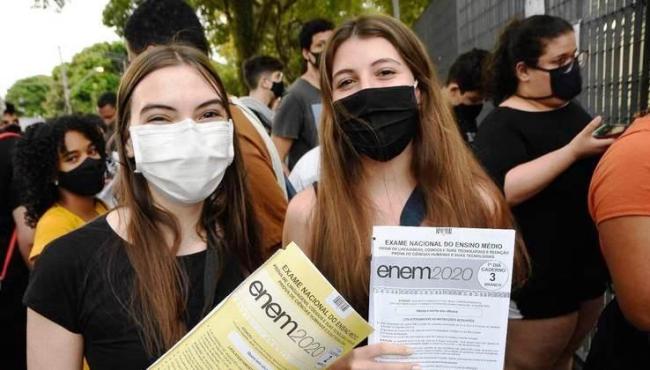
x: 538, y: 145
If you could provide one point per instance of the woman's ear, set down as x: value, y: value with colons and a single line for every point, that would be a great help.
x: 521, y: 71
x: 129, y: 149
x: 417, y: 92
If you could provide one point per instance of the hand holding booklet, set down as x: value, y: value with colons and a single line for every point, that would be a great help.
x: 285, y: 315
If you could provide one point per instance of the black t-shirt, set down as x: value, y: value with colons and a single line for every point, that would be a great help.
x: 12, y: 311
x: 83, y: 282
x: 557, y: 229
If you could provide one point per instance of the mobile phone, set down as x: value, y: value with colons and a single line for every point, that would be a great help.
x: 609, y: 130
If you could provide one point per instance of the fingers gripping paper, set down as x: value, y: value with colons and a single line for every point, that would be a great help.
x: 285, y: 315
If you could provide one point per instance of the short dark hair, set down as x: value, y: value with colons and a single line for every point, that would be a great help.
x: 521, y: 41
x: 9, y: 108
x: 467, y: 69
x: 160, y: 22
x: 311, y: 28
x: 107, y: 98
x: 255, y: 66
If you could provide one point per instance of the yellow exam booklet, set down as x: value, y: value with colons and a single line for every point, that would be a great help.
x: 285, y: 315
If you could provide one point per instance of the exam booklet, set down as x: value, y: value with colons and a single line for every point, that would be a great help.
x: 285, y: 315
x: 444, y: 292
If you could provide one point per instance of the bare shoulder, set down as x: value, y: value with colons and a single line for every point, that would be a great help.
x: 297, y: 223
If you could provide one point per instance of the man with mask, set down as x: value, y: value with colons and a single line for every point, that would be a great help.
x: 295, y: 125
x: 10, y: 121
x: 464, y: 91
x: 263, y: 76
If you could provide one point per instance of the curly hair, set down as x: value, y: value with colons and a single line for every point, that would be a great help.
x: 37, y: 158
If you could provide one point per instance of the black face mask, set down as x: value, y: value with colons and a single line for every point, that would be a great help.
x: 316, y: 62
x: 278, y: 88
x: 467, y: 113
x: 379, y: 122
x: 86, y: 180
x: 566, y: 82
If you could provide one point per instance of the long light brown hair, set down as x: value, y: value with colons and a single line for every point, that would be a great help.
x: 160, y: 288
x: 457, y: 191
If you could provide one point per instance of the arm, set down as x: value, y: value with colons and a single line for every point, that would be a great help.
x: 297, y: 228
x: 25, y: 234
x: 624, y: 242
x: 283, y: 145
x: 297, y: 223
x: 50, y: 346
x: 526, y: 180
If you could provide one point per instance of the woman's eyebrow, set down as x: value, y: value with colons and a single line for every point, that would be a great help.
x: 149, y: 107
x: 209, y: 102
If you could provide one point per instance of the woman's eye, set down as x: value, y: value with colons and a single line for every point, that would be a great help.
x: 386, y: 72
x: 71, y: 159
x: 153, y: 119
x: 344, y: 83
x: 211, y: 115
x: 92, y: 151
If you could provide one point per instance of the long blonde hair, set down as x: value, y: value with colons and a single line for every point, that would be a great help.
x: 456, y: 189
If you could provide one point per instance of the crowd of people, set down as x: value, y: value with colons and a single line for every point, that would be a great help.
x: 119, y: 232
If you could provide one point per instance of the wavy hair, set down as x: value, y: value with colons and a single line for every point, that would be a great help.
x: 37, y: 160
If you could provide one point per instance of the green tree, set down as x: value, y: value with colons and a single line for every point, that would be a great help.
x: 91, y: 72
x: 239, y: 29
x: 29, y: 95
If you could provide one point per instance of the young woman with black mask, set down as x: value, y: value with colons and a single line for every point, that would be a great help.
x: 61, y: 166
x: 391, y: 155
x: 126, y: 287
x: 538, y: 146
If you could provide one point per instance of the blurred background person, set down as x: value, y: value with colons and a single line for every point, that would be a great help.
x: 619, y: 201
x: 538, y: 147
x: 263, y: 77
x: 61, y: 166
x: 295, y: 125
x: 10, y: 122
x: 464, y: 90
x: 15, y: 243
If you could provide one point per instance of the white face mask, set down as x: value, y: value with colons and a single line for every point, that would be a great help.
x: 184, y: 161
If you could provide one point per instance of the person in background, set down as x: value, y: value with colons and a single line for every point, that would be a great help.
x: 295, y: 125
x: 10, y: 122
x: 538, y: 146
x: 263, y: 76
x: 390, y: 155
x: 464, y: 90
x: 619, y: 201
x: 106, y: 110
x: 15, y: 242
x: 61, y: 166
x: 122, y: 290
x: 160, y: 22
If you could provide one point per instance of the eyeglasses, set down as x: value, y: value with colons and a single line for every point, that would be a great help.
x: 580, y: 58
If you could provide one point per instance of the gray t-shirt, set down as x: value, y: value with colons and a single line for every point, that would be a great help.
x: 297, y: 118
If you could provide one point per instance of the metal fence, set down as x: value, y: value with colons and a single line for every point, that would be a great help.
x: 612, y: 32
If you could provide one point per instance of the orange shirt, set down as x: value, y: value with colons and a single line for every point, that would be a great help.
x: 266, y: 197
x: 621, y: 183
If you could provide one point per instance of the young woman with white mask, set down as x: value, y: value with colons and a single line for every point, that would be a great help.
x: 123, y: 289
x: 391, y: 154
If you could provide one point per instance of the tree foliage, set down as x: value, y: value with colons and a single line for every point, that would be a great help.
x: 91, y: 72
x: 239, y: 29
x: 29, y: 95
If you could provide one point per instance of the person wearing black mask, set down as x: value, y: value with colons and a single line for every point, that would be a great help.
x: 61, y: 166
x: 390, y: 155
x: 295, y: 125
x: 464, y: 91
x: 263, y: 77
x: 538, y: 146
